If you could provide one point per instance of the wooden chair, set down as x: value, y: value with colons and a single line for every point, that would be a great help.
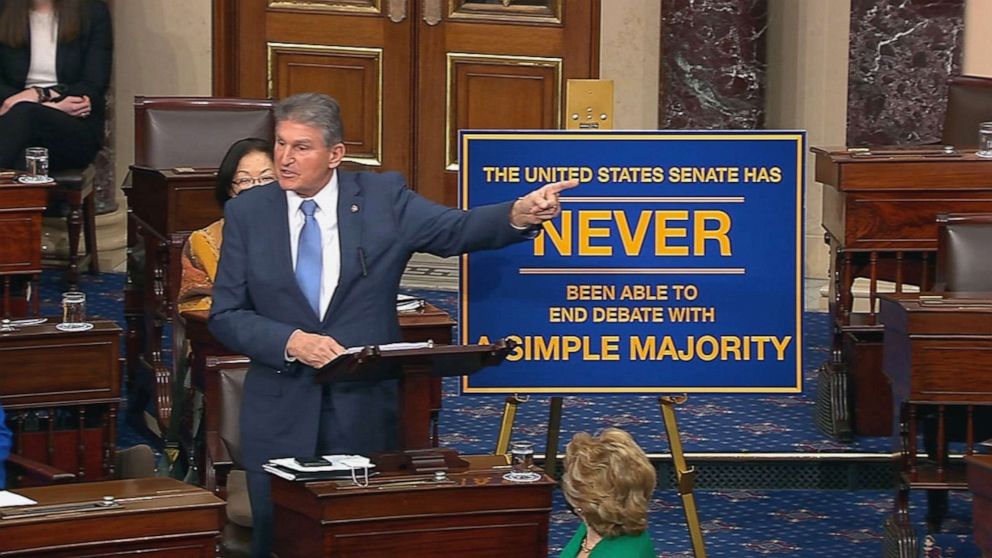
x: 171, y: 133
x: 224, y: 379
x: 75, y: 188
x: 963, y: 265
x: 969, y: 103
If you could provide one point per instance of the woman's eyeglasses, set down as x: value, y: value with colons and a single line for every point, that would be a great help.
x: 252, y: 181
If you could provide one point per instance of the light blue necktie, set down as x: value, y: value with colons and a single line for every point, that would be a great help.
x: 309, y: 257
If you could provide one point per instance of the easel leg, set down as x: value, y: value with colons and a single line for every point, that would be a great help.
x: 554, y: 431
x: 506, y: 424
x: 685, y: 476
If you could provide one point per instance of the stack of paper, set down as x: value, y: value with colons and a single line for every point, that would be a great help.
x: 337, y: 467
x: 407, y: 303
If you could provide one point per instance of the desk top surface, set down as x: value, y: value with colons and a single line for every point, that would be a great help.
x: 481, y: 473
x: 47, y: 329
x: 898, y: 154
x: 980, y: 462
x: 979, y: 302
x: 132, y: 495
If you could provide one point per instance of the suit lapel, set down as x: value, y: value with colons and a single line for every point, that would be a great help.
x: 351, y: 211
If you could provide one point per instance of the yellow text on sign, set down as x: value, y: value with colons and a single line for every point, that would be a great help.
x: 580, y: 232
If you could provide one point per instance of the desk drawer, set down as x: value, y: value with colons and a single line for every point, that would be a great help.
x: 59, y: 370
x: 952, y: 370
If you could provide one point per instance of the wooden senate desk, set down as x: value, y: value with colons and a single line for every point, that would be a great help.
x: 21, y: 208
x: 879, y: 212
x: 470, y: 513
x: 938, y: 355
x: 148, y: 517
x: 165, y: 207
x: 61, y: 391
x: 980, y: 483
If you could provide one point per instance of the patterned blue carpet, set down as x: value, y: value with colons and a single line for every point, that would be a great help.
x: 736, y: 523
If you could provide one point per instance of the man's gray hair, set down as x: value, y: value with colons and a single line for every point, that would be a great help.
x: 313, y: 109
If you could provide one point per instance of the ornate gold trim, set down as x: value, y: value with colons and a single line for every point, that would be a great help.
x: 461, y: 10
x: 273, y: 48
x: 451, y: 155
x: 330, y: 6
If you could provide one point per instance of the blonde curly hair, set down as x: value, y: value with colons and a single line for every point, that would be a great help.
x: 609, y: 480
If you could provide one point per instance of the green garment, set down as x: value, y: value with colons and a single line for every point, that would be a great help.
x: 625, y: 546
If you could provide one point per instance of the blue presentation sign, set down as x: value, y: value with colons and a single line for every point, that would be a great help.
x: 675, y: 265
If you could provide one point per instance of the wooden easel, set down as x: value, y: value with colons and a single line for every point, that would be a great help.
x: 685, y: 476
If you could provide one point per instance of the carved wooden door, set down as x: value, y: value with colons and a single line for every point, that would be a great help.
x: 410, y: 73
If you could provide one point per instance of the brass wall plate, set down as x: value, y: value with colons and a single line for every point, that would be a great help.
x: 589, y: 104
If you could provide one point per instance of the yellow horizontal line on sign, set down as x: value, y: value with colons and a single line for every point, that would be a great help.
x: 661, y: 199
x: 631, y: 271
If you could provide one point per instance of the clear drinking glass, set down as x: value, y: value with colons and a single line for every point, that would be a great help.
x: 36, y: 164
x: 985, y: 140
x: 74, y: 312
x: 521, y: 463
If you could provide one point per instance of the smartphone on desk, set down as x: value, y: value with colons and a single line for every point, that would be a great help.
x: 312, y: 462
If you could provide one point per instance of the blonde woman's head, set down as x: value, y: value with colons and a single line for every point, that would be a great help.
x: 609, y: 481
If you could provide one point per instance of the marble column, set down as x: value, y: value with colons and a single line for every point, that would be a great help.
x: 712, y: 64
x: 901, y: 54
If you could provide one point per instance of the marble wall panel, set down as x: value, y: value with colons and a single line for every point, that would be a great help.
x: 712, y: 64
x: 901, y: 54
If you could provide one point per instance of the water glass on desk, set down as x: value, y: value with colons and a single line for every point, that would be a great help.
x: 521, y: 462
x: 985, y: 140
x: 74, y: 312
x: 36, y: 165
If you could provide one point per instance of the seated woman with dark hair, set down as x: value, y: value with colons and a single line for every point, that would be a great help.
x: 247, y: 163
x: 608, y: 481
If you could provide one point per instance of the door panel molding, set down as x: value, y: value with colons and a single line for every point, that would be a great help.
x: 509, y: 11
x: 352, y: 75
x: 348, y: 7
x: 492, y: 77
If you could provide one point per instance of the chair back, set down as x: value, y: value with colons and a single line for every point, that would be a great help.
x: 969, y: 103
x: 225, y: 381
x: 195, y: 132
x: 963, y: 248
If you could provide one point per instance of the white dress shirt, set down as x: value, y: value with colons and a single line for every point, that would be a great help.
x: 327, y: 218
x: 44, y: 36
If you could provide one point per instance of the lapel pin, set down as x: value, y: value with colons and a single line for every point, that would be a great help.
x: 354, y: 208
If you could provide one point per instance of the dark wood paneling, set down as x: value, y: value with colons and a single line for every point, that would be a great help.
x: 43, y: 366
x: 21, y: 237
x: 903, y: 220
x: 351, y: 78
x: 415, y: 109
x: 479, y: 86
x: 21, y: 206
x: 956, y: 370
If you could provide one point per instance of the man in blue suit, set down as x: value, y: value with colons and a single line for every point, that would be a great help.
x: 311, y: 265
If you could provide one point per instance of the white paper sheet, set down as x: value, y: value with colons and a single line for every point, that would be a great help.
x: 8, y: 499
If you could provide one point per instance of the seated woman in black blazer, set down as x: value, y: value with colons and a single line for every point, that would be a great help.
x: 55, y: 58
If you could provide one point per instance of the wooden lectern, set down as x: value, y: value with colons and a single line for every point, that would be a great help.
x: 414, y: 368
x: 880, y: 212
x: 425, y: 502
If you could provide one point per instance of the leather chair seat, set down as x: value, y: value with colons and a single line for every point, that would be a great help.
x: 70, y: 179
